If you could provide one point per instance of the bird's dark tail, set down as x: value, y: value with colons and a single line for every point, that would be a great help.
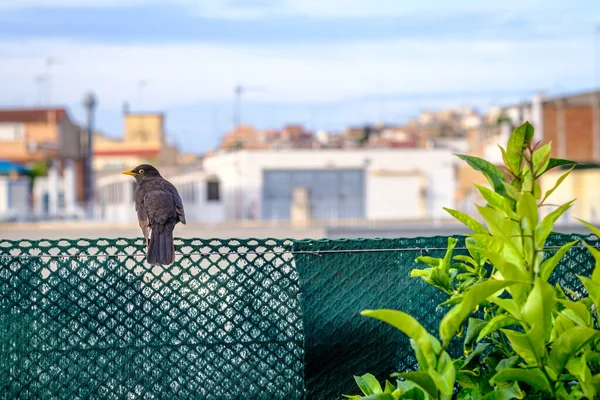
x: 162, y: 249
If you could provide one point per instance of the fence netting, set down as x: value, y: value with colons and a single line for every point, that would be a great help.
x: 230, y: 319
x: 89, y: 319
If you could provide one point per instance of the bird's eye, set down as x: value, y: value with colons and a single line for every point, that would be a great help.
x: 141, y: 171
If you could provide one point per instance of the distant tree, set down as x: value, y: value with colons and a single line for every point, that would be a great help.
x: 367, y: 131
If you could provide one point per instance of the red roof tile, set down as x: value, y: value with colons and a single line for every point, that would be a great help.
x: 32, y: 115
x: 128, y: 152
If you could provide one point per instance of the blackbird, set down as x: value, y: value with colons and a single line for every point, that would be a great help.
x: 159, y: 208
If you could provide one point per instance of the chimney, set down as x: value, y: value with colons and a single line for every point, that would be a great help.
x: 125, y: 108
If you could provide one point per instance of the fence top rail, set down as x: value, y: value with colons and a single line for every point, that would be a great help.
x: 134, y: 247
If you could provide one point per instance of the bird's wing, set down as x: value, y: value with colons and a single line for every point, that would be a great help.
x: 142, y: 216
x: 178, y: 202
x: 160, y: 207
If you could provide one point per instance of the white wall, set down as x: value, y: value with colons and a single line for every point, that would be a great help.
x: 403, y: 199
x: 114, y: 195
x: 119, y: 207
x: 241, y: 174
x: 3, y: 195
x: 198, y: 208
x: 14, y: 197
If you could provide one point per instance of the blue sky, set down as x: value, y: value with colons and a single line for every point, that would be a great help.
x: 324, y: 63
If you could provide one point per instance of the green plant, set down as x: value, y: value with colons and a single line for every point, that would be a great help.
x: 522, y: 337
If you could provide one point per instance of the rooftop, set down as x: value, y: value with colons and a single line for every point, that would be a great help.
x: 25, y: 115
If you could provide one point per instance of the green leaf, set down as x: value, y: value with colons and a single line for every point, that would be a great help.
x: 537, y: 190
x: 523, y: 346
x: 561, y: 324
x: 541, y: 158
x: 379, y: 396
x: 448, y: 256
x: 516, y: 145
x: 592, y: 288
x: 421, y: 379
x: 495, y: 200
x: 502, y: 227
x: 466, y: 219
x: 475, y: 325
x: 527, y: 179
x: 508, y: 305
x: 557, y: 184
x: 434, y: 276
x: 495, y: 245
x: 428, y: 344
x: 474, y: 247
x: 368, y: 384
x: 548, y: 266
x: 577, y: 312
x: 512, y: 191
x: 492, y: 173
x: 591, y: 227
x: 568, y: 344
x: 538, y: 308
x: 546, y: 227
x: 558, y: 162
x: 533, y: 377
x: 473, y: 357
x: 527, y: 208
x: 389, y: 388
x: 498, y: 322
x: 421, y: 359
x: 509, y: 393
x: 578, y: 367
x: 407, y: 386
x: 431, y: 261
x: 596, y: 255
x: 509, y: 271
x: 473, y: 297
x: 510, y: 362
x: 467, y: 259
x: 444, y: 374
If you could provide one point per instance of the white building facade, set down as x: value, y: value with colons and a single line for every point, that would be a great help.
x: 199, y: 192
x: 354, y: 184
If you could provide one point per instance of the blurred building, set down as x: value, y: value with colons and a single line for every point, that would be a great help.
x: 200, y: 192
x: 143, y: 141
x: 246, y: 137
x: 572, y: 124
x: 15, y: 199
x: 47, y: 139
x: 303, y: 186
x: 335, y: 185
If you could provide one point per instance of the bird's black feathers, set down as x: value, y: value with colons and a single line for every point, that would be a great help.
x: 161, y: 250
x: 159, y: 208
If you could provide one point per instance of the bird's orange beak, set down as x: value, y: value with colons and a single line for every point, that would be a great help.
x: 129, y: 173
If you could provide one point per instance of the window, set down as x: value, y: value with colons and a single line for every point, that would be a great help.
x: 212, y: 191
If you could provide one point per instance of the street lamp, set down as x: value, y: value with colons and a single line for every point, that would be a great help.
x: 89, y: 103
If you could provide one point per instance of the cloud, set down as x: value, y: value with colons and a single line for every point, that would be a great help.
x: 184, y: 73
x: 257, y: 9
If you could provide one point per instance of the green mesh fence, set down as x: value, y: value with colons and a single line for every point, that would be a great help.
x: 231, y: 318
x: 350, y: 275
x: 78, y: 320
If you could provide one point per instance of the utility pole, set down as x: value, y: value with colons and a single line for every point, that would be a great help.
x: 141, y: 86
x: 238, y: 90
x: 90, y: 103
x: 49, y: 63
x: 39, y: 82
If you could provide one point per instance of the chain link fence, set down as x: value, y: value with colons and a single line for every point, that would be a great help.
x: 230, y: 319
